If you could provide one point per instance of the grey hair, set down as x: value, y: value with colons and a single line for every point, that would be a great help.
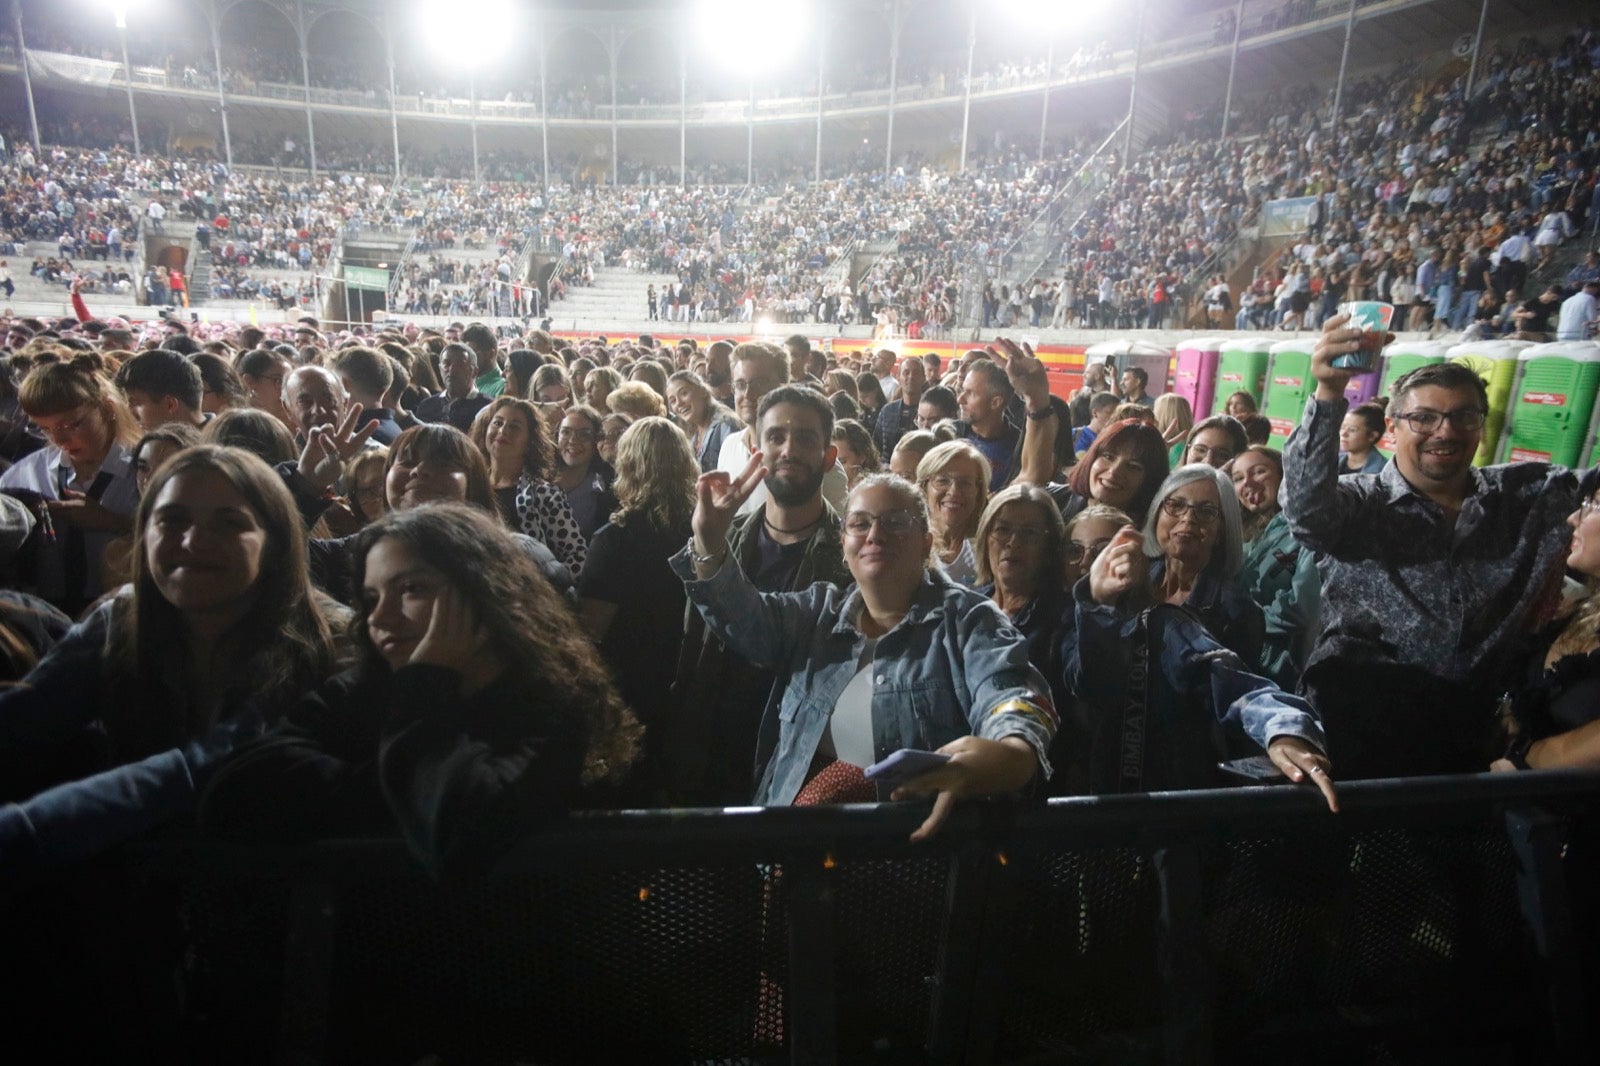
x: 1229, y: 554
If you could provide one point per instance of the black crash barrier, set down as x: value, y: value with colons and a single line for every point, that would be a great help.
x: 1432, y: 920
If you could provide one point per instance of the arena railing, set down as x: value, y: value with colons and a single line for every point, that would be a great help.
x: 1429, y: 918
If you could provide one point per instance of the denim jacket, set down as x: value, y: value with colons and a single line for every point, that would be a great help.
x: 1187, y: 671
x: 953, y: 667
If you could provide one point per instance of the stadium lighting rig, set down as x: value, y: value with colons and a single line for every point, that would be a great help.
x: 466, y: 32
x: 747, y: 36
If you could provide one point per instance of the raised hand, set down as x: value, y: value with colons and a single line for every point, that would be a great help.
x: 328, y: 448
x: 454, y: 639
x: 718, y: 497
x: 1026, y: 373
x: 1119, y: 569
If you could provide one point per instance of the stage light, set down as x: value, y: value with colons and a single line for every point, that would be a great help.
x: 751, y: 37
x: 466, y: 32
x: 1047, y: 16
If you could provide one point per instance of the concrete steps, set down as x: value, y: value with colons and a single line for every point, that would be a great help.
x: 617, y: 295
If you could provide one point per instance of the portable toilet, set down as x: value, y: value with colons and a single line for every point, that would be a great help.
x: 1552, y: 402
x: 1495, y: 361
x: 1155, y: 360
x: 1399, y: 358
x: 1241, y: 367
x: 1289, y: 382
x: 1196, y: 376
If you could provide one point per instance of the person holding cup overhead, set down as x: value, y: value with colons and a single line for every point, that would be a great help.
x: 1432, y: 568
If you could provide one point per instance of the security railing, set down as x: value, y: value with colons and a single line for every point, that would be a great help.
x: 1430, y: 919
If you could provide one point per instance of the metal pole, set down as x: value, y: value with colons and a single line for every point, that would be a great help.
x: 394, y: 95
x: 683, y: 108
x: 615, y: 47
x: 894, y: 84
x: 472, y: 91
x: 1344, y: 59
x: 821, y: 75
x: 305, y: 74
x: 966, y: 107
x: 1233, y: 62
x: 127, y: 72
x: 750, y: 137
x: 1044, y: 112
x: 1133, y: 88
x: 544, y: 102
x: 222, y: 97
x: 1477, y: 45
x: 27, y: 79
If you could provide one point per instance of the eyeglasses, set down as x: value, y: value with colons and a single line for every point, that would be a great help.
x: 1204, y: 453
x: 1588, y: 507
x: 946, y: 482
x: 758, y: 385
x: 1205, y: 514
x: 612, y: 436
x: 1086, y: 553
x: 893, y: 523
x: 582, y: 436
x: 1467, y: 420
x: 1001, y: 531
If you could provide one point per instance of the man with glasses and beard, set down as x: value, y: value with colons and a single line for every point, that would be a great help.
x: 787, y: 542
x: 1431, y: 569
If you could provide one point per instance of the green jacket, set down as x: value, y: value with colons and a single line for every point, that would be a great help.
x: 1283, y: 578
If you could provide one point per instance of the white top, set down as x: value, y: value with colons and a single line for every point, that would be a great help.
x: 850, y: 726
x: 963, y: 569
x: 1577, y: 311
x: 735, y: 454
x: 47, y: 471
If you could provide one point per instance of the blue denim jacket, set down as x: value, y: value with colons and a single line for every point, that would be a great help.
x: 953, y: 667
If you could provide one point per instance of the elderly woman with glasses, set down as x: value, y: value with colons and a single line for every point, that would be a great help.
x: 1193, y: 537
x: 904, y: 659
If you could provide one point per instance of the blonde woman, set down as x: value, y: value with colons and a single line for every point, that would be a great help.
x: 629, y: 599
x: 954, y: 480
x: 636, y: 400
x: 1174, y: 418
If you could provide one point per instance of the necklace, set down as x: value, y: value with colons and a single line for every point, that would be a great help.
x: 770, y: 524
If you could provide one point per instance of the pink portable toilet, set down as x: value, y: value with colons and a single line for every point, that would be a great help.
x: 1362, y: 388
x: 1196, y: 377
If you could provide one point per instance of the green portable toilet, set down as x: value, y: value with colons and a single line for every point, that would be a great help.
x: 1495, y: 361
x: 1289, y: 382
x: 1401, y: 358
x: 1242, y: 367
x: 1553, y: 402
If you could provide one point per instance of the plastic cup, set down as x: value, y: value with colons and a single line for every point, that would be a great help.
x: 1372, y: 317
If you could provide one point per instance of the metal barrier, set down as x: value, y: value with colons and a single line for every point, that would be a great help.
x: 1430, y: 918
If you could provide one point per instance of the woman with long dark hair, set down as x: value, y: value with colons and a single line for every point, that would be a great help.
x: 476, y: 714
x: 212, y: 641
x: 580, y: 472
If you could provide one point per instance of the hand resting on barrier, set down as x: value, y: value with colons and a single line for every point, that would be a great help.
x: 977, y: 767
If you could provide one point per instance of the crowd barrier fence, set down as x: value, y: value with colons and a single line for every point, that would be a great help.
x: 1431, y: 920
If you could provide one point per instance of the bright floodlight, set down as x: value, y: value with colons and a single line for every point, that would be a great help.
x: 1047, y: 16
x: 466, y: 32
x: 750, y: 36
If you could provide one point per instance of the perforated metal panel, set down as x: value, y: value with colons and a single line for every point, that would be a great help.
x: 652, y: 965
x: 1085, y: 932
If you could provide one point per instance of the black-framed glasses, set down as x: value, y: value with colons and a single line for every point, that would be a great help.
x: 1467, y: 419
x: 1084, y: 554
x: 1204, y: 453
x: 1205, y: 514
x: 893, y: 523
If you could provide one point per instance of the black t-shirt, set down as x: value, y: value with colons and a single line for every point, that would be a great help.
x: 627, y: 566
x: 1541, y: 311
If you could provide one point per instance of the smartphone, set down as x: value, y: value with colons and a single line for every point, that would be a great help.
x: 903, y: 765
x: 1252, y: 768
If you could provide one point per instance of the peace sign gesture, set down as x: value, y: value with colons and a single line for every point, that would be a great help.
x: 327, y: 448
x: 1026, y: 373
x: 718, y: 497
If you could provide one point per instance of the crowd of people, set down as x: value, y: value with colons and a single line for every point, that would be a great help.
x: 479, y: 580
